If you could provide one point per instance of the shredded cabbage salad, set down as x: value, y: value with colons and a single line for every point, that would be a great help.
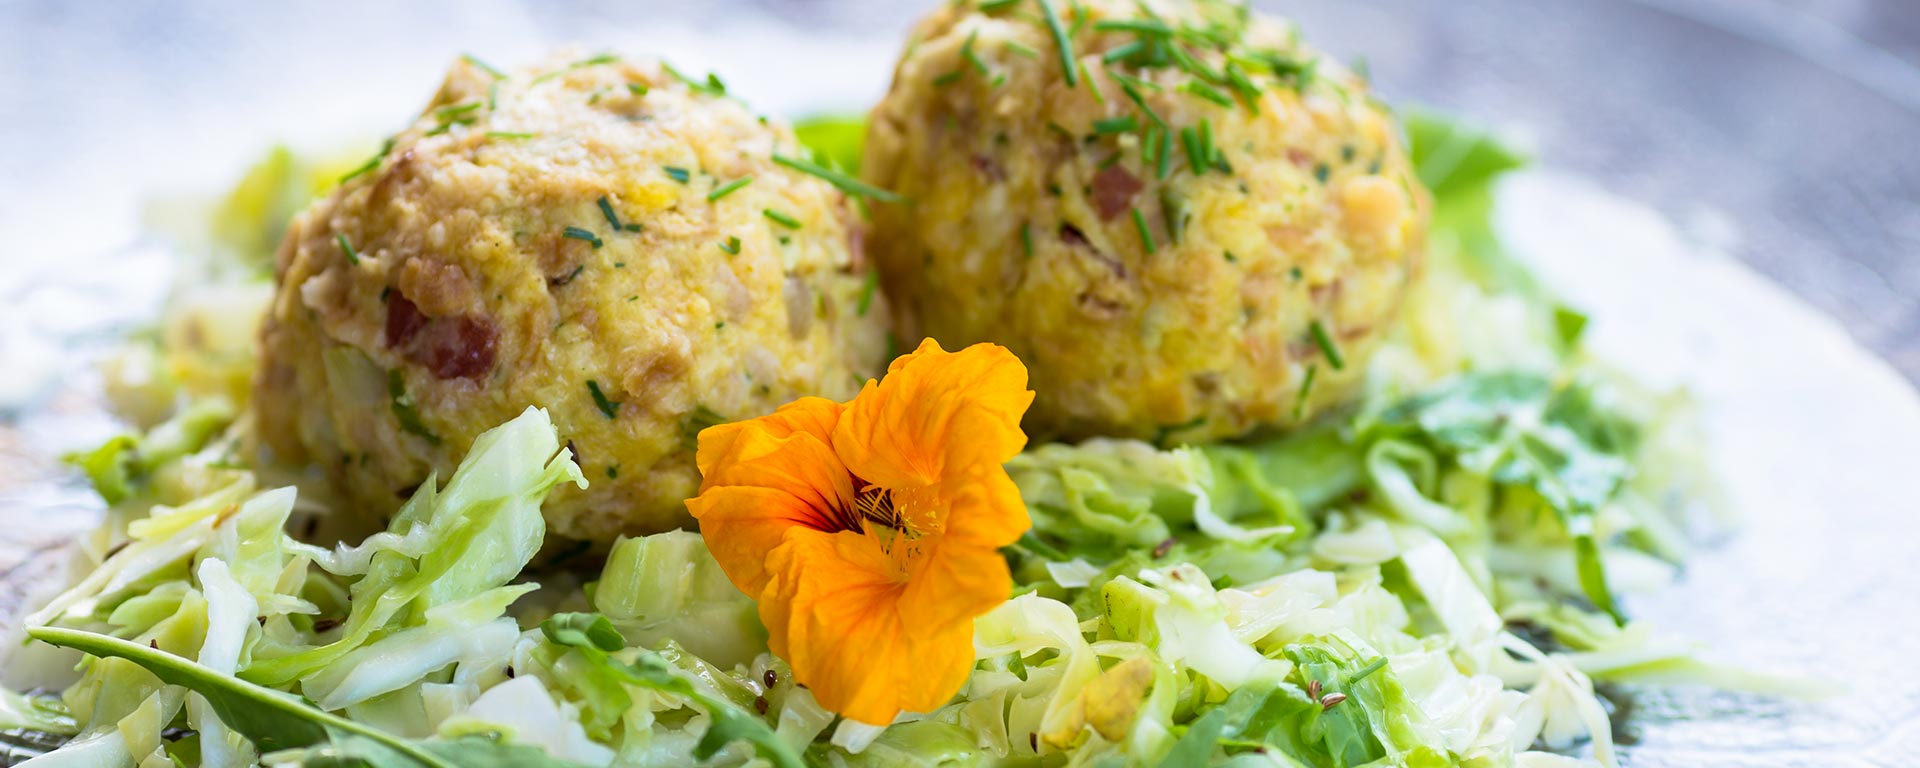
x: 1430, y: 578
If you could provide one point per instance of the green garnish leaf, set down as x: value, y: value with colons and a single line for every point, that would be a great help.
x: 731, y: 246
x: 728, y: 188
x: 374, y: 162
x: 1120, y: 124
x: 780, y: 218
x: 845, y: 183
x: 576, y: 233
x: 1060, y: 42
x: 868, y: 286
x: 608, y: 407
x: 484, y: 67
x: 677, y: 174
x: 1327, y: 345
x: 1146, y: 234
x: 353, y: 257
x: 606, y: 209
x: 270, y: 719
x: 404, y: 409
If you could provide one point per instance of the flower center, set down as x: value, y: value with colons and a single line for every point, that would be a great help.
x: 876, y: 505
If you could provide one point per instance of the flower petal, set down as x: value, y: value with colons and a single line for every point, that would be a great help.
x: 833, y: 609
x: 935, y: 412
x: 787, y: 450
x: 742, y: 524
x: 814, y: 416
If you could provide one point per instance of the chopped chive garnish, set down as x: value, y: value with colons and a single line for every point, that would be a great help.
x: 606, y: 209
x: 966, y: 52
x: 1120, y: 124
x: 608, y: 407
x: 1061, y: 42
x: 605, y: 58
x: 613, y: 472
x: 731, y: 246
x: 711, y: 86
x: 630, y: 227
x: 729, y: 188
x: 1144, y: 26
x: 1306, y: 388
x: 782, y: 219
x: 1196, y: 157
x: 845, y: 183
x: 508, y: 135
x: 353, y: 257
x: 1093, y: 86
x: 1146, y: 235
x: 1163, y: 154
x: 637, y: 89
x: 385, y: 147
x: 1026, y: 239
x: 947, y: 79
x: 1173, y: 210
x: 404, y: 410
x: 1327, y: 345
x: 484, y: 67
x: 493, y: 95
x: 1230, y: 257
x: 991, y: 6
x: 867, y: 288
x: 1320, y: 173
x: 577, y: 233
x: 677, y: 174
x: 1016, y: 48
x: 1121, y: 52
x: 1207, y: 92
x: 455, y: 110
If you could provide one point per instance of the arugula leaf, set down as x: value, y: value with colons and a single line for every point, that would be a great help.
x: 276, y: 721
x: 271, y: 719
x: 593, y: 637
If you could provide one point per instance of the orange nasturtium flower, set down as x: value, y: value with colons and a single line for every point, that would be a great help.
x: 869, y: 531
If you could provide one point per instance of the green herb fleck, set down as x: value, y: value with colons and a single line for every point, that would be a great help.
x: 729, y: 188
x: 780, y: 218
x: 1327, y: 346
x: 1306, y: 388
x: 608, y: 407
x: 731, y: 246
x: 605, y: 58
x: 353, y: 257
x: 867, y: 289
x: 484, y: 67
x: 385, y: 147
x: 710, y: 86
x: 677, y: 174
x: 637, y: 89
x: 509, y: 135
x: 1120, y: 124
x: 1207, y: 92
x: 606, y: 209
x: 845, y: 183
x: 995, y: 6
x: 1061, y: 42
x: 577, y: 233
x: 613, y: 472
x: 1026, y: 239
x: 404, y: 410
x: 1146, y: 235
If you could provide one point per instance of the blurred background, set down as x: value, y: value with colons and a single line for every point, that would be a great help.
x: 1782, y: 130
